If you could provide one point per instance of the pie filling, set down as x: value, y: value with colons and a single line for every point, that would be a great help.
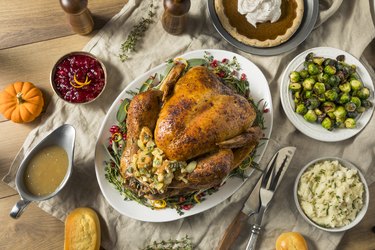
x: 265, y: 34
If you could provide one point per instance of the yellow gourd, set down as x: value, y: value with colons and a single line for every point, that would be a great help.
x: 21, y: 102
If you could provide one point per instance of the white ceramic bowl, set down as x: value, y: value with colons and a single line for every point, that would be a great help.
x: 315, y: 130
x: 346, y: 164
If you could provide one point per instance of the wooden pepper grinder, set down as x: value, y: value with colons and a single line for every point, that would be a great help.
x: 175, y: 15
x: 79, y: 16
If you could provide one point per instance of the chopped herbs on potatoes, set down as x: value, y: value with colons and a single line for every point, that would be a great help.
x: 329, y: 92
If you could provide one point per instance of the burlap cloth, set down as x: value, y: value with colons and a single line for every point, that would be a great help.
x: 347, y: 26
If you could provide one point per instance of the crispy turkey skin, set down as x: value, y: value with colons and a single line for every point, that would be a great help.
x: 200, y: 113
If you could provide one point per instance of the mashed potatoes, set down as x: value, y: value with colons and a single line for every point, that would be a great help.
x: 330, y: 194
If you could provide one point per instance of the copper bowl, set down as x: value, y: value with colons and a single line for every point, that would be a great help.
x: 78, y: 77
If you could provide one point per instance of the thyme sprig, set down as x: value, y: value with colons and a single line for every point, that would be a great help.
x: 182, y: 244
x: 137, y: 32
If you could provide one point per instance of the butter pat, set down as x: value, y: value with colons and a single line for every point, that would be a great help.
x: 260, y: 11
x: 330, y: 194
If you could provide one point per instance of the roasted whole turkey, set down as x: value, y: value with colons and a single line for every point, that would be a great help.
x: 186, y: 136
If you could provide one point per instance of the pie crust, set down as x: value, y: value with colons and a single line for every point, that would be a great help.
x: 288, y: 29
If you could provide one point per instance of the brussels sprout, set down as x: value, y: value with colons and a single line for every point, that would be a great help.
x: 331, y: 95
x: 330, y: 70
x: 344, y: 98
x: 329, y: 61
x: 295, y: 87
x: 318, y: 112
x: 328, y: 107
x: 333, y: 80
x: 312, y: 103
x: 363, y: 93
x: 301, y: 109
x: 309, y: 57
x: 354, y: 76
x: 353, y: 114
x: 340, y: 74
x: 331, y: 115
x: 323, y: 77
x: 310, y: 116
x: 318, y: 60
x: 308, y: 83
x: 340, y: 112
x: 304, y: 74
x: 340, y: 123
x: 319, y: 88
x: 313, y: 69
x: 356, y: 84
x: 307, y: 94
x: 340, y: 58
x: 327, y: 123
x: 356, y: 101
x: 348, y: 70
x: 294, y: 76
x: 350, y: 123
x: 297, y: 95
x: 361, y: 109
x: 366, y: 104
x: 350, y: 107
x: 345, y: 87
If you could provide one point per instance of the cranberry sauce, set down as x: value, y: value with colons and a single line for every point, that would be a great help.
x: 84, y: 69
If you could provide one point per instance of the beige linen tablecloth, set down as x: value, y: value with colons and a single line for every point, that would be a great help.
x: 346, y: 26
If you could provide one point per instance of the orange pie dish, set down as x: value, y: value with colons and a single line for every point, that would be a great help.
x: 265, y: 34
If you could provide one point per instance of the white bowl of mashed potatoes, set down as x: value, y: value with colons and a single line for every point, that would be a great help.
x: 331, y: 194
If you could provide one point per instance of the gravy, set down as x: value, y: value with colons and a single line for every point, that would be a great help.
x: 46, y: 170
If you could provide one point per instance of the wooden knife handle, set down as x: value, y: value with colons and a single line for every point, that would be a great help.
x: 232, y: 232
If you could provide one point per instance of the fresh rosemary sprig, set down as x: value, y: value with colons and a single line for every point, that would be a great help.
x: 182, y: 244
x: 136, y: 34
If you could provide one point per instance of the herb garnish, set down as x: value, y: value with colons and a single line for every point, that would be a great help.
x: 137, y: 32
x: 182, y: 244
x: 228, y: 72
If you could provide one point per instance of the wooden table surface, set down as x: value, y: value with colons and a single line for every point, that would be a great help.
x: 33, y: 35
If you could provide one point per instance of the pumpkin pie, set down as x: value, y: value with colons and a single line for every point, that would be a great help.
x: 265, y: 34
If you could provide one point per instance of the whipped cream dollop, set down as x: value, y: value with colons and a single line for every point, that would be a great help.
x: 260, y: 11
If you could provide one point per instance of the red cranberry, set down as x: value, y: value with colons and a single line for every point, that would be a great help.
x: 81, y: 66
x: 221, y: 74
x: 214, y: 63
x: 182, y: 199
x: 186, y: 207
x: 114, y: 129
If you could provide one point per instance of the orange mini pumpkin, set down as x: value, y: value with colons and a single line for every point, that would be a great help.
x: 21, y: 102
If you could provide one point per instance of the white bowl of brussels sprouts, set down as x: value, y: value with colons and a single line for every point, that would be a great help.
x: 327, y: 94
